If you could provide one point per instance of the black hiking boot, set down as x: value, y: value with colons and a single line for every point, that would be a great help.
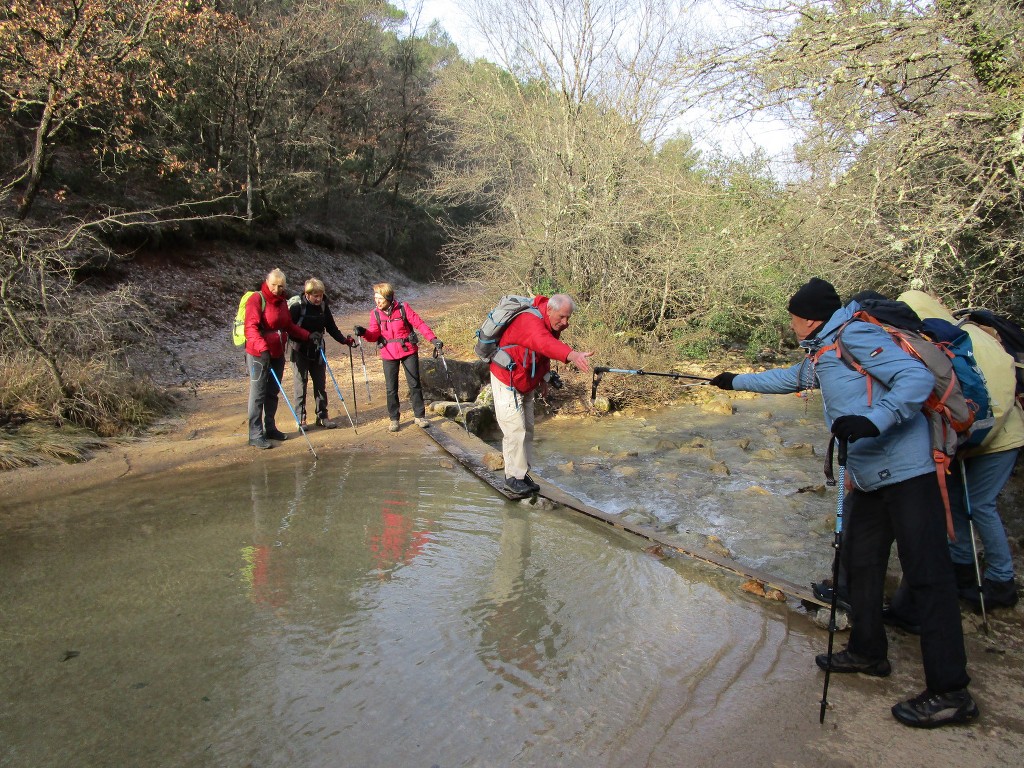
x: 907, y: 623
x: 326, y: 423
x: 276, y: 434
x: 823, y: 591
x: 844, y: 661
x: 516, y: 487
x: 530, y: 481
x: 932, y: 710
x: 998, y: 594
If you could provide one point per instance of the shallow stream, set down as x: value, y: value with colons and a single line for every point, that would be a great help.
x: 372, y: 610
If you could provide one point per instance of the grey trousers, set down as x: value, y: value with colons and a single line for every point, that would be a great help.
x: 262, y: 395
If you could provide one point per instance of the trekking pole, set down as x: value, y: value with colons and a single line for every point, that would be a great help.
x: 974, y: 545
x: 451, y: 381
x: 352, y: 372
x: 366, y: 378
x: 338, y: 389
x: 671, y: 374
x: 294, y: 414
x: 835, y: 575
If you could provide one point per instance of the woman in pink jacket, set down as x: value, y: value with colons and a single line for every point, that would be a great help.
x: 393, y: 325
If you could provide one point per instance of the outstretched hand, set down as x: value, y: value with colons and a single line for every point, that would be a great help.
x: 723, y: 380
x: 851, y: 428
x: 360, y: 331
x: 580, y: 359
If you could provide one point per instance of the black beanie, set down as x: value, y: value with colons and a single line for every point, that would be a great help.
x: 816, y: 300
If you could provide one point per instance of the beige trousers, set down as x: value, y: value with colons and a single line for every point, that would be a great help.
x: 514, y: 412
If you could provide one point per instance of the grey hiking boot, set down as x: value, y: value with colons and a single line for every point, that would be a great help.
x: 393, y: 426
x: 845, y: 661
x: 260, y: 442
x: 326, y: 424
x: 932, y: 710
x: 422, y: 423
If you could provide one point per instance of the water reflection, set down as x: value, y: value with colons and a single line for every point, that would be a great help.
x: 365, y: 613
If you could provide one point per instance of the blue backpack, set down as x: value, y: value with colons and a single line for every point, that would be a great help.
x: 972, y: 380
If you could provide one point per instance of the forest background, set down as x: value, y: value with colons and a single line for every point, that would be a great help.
x: 133, y: 128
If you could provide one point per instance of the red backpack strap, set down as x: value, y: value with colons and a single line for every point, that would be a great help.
x: 942, y: 464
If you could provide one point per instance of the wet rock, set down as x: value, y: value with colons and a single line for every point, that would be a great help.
x: 624, y: 455
x: 719, y: 468
x: 755, y: 587
x: 463, y: 378
x: 820, y: 618
x: 447, y: 464
x: 757, y: 490
x: 765, y: 415
x: 798, y: 449
x: 715, y: 544
x: 478, y: 419
x: 764, y: 453
x: 625, y: 471
x: 641, y: 517
x: 445, y: 408
x: 698, y: 450
x: 656, y: 550
x: 818, y: 489
x: 666, y: 445
x: 719, y: 405
x: 567, y: 469
x: 602, y: 404
x: 743, y: 443
x: 494, y: 461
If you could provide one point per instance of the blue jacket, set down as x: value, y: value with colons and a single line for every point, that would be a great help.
x: 900, y: 387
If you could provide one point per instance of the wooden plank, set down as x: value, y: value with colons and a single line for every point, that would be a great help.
x: 469, y: 450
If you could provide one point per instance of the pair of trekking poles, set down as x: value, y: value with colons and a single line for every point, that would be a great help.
x: 341, y: 397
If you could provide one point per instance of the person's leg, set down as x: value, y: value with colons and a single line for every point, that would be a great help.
x: 300, y: 371
x: 411, y: 363
x: 318, y: 378
x: 868, y: 536
x: 270, y: 403
x: 986, y: 476
x: 258, y: 377
x: 918, y: 519
x: 391, y: 386
x: 509, y: 414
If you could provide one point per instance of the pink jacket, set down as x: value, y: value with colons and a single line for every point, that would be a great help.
x: 532, y: 344
x: 395, y: 332
x: 269, y: 329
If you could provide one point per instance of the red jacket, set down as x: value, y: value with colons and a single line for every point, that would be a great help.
x: 392, y: 328
x: 532, y: 344
x: 269, y: 329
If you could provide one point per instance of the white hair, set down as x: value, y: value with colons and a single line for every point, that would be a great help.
x: 561, y: 301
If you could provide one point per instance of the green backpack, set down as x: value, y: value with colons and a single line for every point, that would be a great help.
x: 238, y: 330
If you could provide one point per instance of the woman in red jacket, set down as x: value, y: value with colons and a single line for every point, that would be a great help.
x: 268, y: 325
x: 393, y: 325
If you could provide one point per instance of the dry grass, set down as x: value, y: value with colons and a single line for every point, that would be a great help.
x: 35, y: 444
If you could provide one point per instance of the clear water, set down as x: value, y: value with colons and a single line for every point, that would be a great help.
x: 393, y: 610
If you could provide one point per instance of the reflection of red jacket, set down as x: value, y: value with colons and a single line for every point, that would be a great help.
x: 532, y: 344
x: 391, y: 328
x: 269, y: 330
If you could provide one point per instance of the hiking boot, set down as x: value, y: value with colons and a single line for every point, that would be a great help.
x: 393, y: 426
x: 998, y: 594
x: 932, y: 710
x: 907, y: 623
x: 420, y: 422
x: 516, y: 487
x: 845, y: 661
x: 276, y: 434
x: 530, y: 481
x: 260, y: 442
x: 823, y: 591
x: 326, y: 423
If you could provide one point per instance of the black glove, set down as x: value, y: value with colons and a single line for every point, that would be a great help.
x: 349, y: 341
x: 851, y: 428
x: 360, y: 331
x: 316, y: 338
x: 723, y: 380
x: 265, y: 358
x: 438, y: 344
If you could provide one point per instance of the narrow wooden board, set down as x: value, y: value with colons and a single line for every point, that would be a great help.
x: 469, y: 450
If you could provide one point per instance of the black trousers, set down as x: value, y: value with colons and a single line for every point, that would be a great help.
x: 315, y: 370
x: 411, y: 364
x: 911, y: 514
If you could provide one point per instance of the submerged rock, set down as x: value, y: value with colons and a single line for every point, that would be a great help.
x: 602, y: 404
x: 719, y: 405
x: 755, y: 587
x: 716, y: 545
x: 798, y: 449
x: 494, y: 461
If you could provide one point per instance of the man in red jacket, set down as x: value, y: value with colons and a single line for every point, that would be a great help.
x: 531, y: 340
x: 268, y: 324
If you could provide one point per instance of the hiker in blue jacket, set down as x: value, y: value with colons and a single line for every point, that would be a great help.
x: 893, y: 494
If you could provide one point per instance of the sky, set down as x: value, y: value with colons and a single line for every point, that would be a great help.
x: 737, y: 137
